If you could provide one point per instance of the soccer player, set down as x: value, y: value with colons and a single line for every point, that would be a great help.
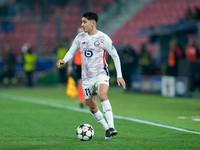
x: 93, y: 45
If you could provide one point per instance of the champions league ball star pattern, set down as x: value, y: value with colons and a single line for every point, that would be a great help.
x: 85, y: 132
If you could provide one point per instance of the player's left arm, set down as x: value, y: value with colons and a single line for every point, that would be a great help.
x: 113, y: 53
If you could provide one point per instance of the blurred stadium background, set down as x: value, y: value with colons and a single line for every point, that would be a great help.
x: 46, y: 24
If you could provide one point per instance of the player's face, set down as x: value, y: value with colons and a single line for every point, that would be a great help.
x: 86, y: 24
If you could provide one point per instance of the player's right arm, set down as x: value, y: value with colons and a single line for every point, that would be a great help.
x: 73, y: 49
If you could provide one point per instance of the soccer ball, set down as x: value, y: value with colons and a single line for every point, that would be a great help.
x: 85, y: 132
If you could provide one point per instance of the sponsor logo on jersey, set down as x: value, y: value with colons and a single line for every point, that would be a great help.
x: 88, y: 52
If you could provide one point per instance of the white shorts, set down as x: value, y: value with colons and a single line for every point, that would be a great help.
x: 90, y: 85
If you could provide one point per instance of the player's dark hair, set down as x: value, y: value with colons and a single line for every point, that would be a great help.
x: 91, y: 16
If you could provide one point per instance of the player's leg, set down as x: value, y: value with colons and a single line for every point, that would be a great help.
x: 92, y: 103
x: 107, y: 108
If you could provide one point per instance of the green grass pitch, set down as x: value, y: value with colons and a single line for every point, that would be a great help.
x: 41, y: 118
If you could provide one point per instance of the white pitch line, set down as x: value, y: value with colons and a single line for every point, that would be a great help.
x: 37, y: 101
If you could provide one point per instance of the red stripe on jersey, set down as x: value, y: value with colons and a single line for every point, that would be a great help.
x: 104, y: 63
x: 104, y: 56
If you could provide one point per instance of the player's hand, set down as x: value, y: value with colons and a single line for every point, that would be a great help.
x: 60, y: 62
x: 121, y: 81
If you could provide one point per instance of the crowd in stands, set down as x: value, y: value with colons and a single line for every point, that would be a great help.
x: 12, y: 8
x: 43, y: 22
x: 192, y: 14
x: 20, y: 29
x: 154, y: 16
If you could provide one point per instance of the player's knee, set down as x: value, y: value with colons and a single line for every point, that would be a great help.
x: 103, y: 97
x: 93, y: 110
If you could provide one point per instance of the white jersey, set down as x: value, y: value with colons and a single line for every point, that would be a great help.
x: 93, y: 50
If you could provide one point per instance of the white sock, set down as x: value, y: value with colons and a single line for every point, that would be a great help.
x: 100, y: 119
x: 107, y: 110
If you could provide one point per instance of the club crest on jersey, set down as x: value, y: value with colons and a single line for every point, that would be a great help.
x: 96, y: 43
